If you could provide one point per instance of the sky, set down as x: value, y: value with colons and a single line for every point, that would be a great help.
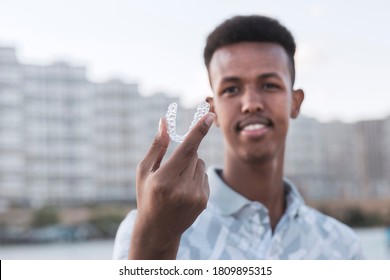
x: 342, y: 59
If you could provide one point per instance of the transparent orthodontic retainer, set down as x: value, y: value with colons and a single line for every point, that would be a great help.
x: 171, y: 115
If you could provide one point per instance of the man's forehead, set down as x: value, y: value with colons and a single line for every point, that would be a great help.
x: 236, y: 57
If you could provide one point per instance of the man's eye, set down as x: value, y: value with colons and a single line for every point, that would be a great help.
x: 270, y: 86
x: 230, y: 90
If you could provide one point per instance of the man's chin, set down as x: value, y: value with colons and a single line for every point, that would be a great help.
x: 257, y: 157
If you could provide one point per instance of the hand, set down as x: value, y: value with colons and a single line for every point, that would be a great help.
x: 170, y: 197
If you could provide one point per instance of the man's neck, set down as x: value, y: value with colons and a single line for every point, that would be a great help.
x: 262, y: 182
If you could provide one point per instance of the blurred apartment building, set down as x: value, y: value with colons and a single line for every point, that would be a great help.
x: 65, y: 139
x: 335, y: 160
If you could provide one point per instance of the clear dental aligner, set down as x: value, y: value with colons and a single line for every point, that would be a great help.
x: 171, y: 115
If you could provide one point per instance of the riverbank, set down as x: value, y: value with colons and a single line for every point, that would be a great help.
x: 373, y: 241
x: 61, y: 223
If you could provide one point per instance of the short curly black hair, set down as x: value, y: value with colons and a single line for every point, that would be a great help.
x: 254, y: 28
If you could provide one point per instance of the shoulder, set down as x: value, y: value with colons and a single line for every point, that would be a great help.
x: 324, y: 222
x: 123, y: 237
x: 338, y: 239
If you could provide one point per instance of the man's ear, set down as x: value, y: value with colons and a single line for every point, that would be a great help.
x: 210, y: 100
x: 297, y: 98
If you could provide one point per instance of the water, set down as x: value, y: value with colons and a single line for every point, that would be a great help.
x: 91, y: 250
x: 373, y: 241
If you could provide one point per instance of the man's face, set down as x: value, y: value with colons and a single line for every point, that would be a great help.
x: 253, y: 99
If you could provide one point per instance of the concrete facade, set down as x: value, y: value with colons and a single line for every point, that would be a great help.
x: 65, y: 139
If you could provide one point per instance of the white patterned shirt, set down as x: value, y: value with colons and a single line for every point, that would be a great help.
x: 232, y: 227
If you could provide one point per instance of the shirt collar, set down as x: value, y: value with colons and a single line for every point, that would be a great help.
x: 228, y: 201
x: 224, y: 198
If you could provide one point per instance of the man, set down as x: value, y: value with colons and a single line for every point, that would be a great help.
x: 252, y: 211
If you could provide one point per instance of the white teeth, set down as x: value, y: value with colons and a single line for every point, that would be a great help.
x: 253, y: 126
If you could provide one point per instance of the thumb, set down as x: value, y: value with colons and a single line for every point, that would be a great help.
x: 187, y: 150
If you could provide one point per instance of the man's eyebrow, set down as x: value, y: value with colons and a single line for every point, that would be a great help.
x: 230, y: 79
x: 269, y: 75
x: 262, y: 76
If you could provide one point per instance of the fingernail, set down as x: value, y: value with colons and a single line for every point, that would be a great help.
x: 209, y: 119
x: 160, y: 127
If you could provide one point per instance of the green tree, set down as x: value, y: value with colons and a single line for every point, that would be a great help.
x: 45, y: 216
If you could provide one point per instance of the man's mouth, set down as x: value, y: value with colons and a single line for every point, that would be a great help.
x: 254, y: 127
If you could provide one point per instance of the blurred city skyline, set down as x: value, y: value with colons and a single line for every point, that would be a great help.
x: 67, y: 139
x: 342, y: 55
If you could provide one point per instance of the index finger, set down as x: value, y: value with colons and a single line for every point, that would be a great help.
x: 187, y: 150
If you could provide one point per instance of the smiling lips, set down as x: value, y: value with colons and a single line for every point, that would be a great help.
x: 254, y: 128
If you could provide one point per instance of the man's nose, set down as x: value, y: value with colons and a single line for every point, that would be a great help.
x: 252, y: 101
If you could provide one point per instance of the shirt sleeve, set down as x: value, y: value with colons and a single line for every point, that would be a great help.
x: 123, y: 237
x: 357, y: 251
